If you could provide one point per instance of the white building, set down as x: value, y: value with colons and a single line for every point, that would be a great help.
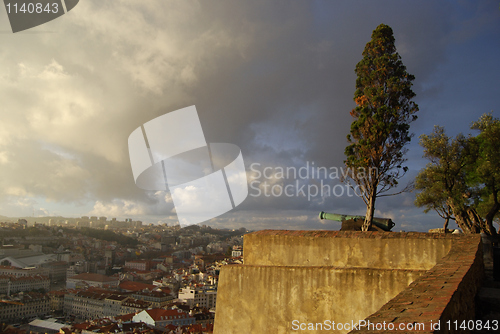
x: 237, y: 251
x: 160, y: 318
x: 199, y: 297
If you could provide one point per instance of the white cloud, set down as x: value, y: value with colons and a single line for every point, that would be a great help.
x: 118, y: 208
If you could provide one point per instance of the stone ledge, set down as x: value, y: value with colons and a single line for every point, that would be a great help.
x: 380, y: 250
x: 357, y: 234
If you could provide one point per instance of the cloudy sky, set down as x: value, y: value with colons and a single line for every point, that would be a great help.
x: 275, y: 78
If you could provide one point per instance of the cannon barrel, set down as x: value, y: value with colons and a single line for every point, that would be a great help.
x: 384, y: 223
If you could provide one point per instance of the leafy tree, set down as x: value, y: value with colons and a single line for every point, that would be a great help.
x: 443, y: 182
x: 463, y: 176
x: 433, y: 198
x: 380, y: 130
x: 487, y: 168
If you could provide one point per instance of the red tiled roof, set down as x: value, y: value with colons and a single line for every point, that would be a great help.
x: 11, y: 330
x: 165, y: 289
x: 162, y: 314
x: 93, y: 277
x: 135, y: 286
x: 83, y: 325
x: 66, y: 330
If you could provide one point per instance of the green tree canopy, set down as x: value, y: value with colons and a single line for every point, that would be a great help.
x: 462, y: 179
x: 443, y: 182
x: 486, y: 169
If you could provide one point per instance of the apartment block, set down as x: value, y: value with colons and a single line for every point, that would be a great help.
x: 199, y: 297
x: 12, y: 284
x: 24, y: 305
x: 97, y: 303
x: 138, y: 265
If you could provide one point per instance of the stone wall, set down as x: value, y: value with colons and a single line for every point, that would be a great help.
x: 317, y: 276
x: 265, y: 299
x: 382, y: 250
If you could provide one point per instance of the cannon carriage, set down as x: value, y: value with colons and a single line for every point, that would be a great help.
x: 353, y: 222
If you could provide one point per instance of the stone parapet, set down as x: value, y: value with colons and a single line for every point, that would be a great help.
x: 294, y: 279
x: 381, y: 250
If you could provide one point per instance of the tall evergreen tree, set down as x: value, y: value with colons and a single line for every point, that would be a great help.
x: 380, y: 130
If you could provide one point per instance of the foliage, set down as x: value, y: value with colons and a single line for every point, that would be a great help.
x: 487, y: 167
x: 105, y: 235
x: 462, y: 180
x: 442, y: 182
x: 28, y: 232
x: 380, y: 130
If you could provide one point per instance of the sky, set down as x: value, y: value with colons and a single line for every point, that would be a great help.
x: 275, y: 78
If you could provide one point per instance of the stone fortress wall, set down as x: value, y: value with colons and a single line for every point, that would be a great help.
x: 301, y: 277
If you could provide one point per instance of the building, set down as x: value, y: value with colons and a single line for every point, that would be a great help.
x: 87, y: 304
x: 57, y: 270
x: 112, y: 305
x: 14, y: 250
x: 95, y: 303
x: 109, y: 256
x: 157, y: 299
x: 24, y: 305
x: 19, y: 272
x: 27, y: 259
x: 46, y: 326
x: 161, y: 318
x: 134, y: 306
x: 201, y: 297
x: 12, y: 284
x: 91, y: 280
x: 131, y: 286
x: 56, y: 300
x: 142, y: 265
x: 237, y: 251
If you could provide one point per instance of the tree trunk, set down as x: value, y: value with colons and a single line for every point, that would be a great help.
x: 445, y: 227
x: 489, y: 217
x: 477, y: 224
x: 480, y: 224
x: 370, y: 210
x: 462, y: 219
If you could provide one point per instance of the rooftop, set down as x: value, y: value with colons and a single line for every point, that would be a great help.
x: 94, y: 277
